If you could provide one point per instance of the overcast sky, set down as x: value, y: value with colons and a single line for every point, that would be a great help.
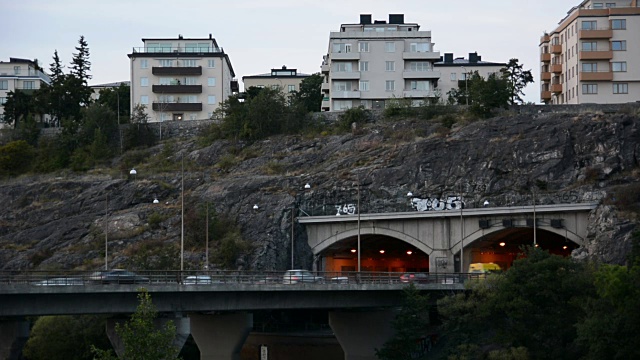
x: 262, y: 34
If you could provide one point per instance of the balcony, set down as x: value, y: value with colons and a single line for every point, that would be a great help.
x: 176, y: 70
x: 556, y: 49
x: 177, y: 89
x: 545, y: 76
x: 595, y: 34
x: 545, y: 95
x: 325, y: 87
x: 27, y: 91
x: 596, y: 55
x: 545, y: 57
x: 556, y: 68
x: 325, y: 68
x: 417, y: 94
x: 556, y: 88
x: 427, y: 55
x: 596, y: 76
x: 326, y: 104
x: 345, y: 94
x: 430, y: 74
x: 345, y: 56
x: 176, y: 106
x: 179, y: 50
x: 545, y: 38
x: 345, y: 75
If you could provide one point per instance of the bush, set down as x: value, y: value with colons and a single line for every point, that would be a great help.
x: 357, y: 116
x: 226, y: 162
x: 16, y: 157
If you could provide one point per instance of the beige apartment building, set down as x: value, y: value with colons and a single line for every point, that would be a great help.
x: 593, y: 56
x: 180, y: 78
x: 453, y: 70
x: 20, y: 75
x: 371, y: 62
x: 287, y: 80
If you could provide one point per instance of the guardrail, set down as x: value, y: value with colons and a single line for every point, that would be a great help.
x: 194, y: 277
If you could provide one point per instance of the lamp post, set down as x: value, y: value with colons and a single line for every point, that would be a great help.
x: 535, y: 242
x: 358, y: 209
x: 461, y: 234
x: 133, y: 173
x: 206, y: 246
x: 106, y: 234
x: 466, y: 87
x: 307, y: 186
x: 182, y: 219
x: 119, y: 129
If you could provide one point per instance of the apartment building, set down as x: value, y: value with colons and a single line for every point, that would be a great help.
x: 453, y: 70
x: 593, y: 56
x: 95, y: 95
x: 19, y: 75
x: 180, y: 78
x: 371, y: 62
x: 288, y: 80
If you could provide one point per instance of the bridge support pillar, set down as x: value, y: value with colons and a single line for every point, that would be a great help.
x: 13, y: 336
x: 361, y: 332
x: 441, y: 261
x: 182, y: 332
x: 221, y: 336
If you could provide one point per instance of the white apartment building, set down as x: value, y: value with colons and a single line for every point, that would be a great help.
x: 288, y: 80
x: 95, y: 95
x: 454, y: 70
x: 180, y: 78
x: 19, y: 75
x: 373, y: 61
x: 593, y: 56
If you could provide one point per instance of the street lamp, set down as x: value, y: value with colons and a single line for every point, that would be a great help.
x: 133, y: 173
x: 307, y: 186
x: 182, y: 219
x: 106, y: 234
x: 466, y: 87
x: 358, y: 209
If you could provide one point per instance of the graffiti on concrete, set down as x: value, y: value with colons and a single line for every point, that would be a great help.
x: 435, y: 204
x: 346, y: 209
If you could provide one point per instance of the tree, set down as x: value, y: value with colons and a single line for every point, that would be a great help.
x: 139, y: 133
x: 116, y: 99
x: 410, y: 327
x: 310, y: 93
x: 16, y: 157
x: 54, y: 90
x: 66, y: 337
x: 484, y: 95
x: 141, y: 339
x: 518, y: 80
x: 17, y: 107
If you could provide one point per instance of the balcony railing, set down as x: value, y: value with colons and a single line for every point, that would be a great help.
x: 168, y: 106
x: 27, y: 74
x: 176, y: 70
x: 345, y: 94
x: 556, y: 88
x: 600, y: 33
x: 545, y: 95
x: 429, y: 74
x: 545, y: 57
x: 545, y: 76
x: 596, y: 76
x: 180, y: 49
x: 345, y: 75
x: 556, y: 68
x: 425, y: 55
x: 596, y: 55
x: 177, y: 89
x: 556, y: 49
x: 345, y: 56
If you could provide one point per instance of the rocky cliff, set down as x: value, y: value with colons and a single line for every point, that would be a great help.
x: 59, y: 221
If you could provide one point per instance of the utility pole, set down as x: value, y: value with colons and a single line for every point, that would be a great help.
x: 106, y: 234
x: 206, y: 248
x: 182, y: 221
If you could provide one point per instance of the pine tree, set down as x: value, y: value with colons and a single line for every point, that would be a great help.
x: 80, y: 67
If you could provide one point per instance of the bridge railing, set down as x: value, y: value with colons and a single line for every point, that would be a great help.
x: 217, y: 277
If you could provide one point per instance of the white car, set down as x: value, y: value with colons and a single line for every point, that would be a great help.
x: 197, y: 280
x: 301, y: 276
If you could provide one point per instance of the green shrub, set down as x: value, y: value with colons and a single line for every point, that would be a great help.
x: 273, y: 168
x: 357, y: 115
x: 16, y: 157
x: 226, y: 162
x: 155, y: 219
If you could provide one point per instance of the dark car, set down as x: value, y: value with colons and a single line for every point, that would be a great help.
x: 118, y: 277
x: 419, y: 278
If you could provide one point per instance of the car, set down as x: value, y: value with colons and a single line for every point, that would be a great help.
x: 197, y: 280
x: 61, y: 281
x: 118, y: 276
x: 419, y: 278
x: 301, y: 276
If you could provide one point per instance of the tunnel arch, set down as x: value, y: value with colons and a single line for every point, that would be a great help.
x: 338, y: 237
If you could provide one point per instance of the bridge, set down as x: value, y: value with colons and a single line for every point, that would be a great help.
x: 433, y: 241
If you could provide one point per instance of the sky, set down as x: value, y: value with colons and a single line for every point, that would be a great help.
x: 259, y: 35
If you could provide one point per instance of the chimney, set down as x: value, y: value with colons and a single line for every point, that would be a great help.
x: 365, y: 19
x: 396, y: 18
x: 448, y: 58
x: 180, y: 36
x: 210, y: 37
x: 473, y: 57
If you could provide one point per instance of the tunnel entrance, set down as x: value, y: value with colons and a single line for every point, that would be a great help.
x: 505, y: 246
x: 378, y: 254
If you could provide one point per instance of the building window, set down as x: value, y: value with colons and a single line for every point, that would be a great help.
x: 390, y: 65
x: 589, y: 46
x: 390, y: 47
x: 364, y: 66
x: 620, y: 88
x: 189, y: 63
x: 190, y: 81
x: 211, y: 81
x: 341, y: 48
x: 453, y: 77
x: 144, y: 63
x: 192, y: 116
x: 343, y: 67
x: 419, y: 66
x: 167, y: 81
x: 342, y: 85
x: 211, y: 63
x: 363, y: 46
x: 589, y: 67
x: 611, y: 5
x: 419, y: 85
x: 342, y: 104
x: 29, y: 85
x: 144, y: 81
x: 211, y: 99
x: 16, y: 70
x: 589, y: 88
x: 291, y: 88
x: 589, y: 25
x: 166, y: 63
x: 619, y: 66
x: 619, y: 24
x: 620, y: 45
x: 165, y: 117
x: 4, y: 84
x: 390, y: 85
x: 275, y: 87
x: 144, y: 100
x: 597, y: 5
x: 419, y: 47
x: 3, y: 100
x: 364, y: 85
x: 191, y: 99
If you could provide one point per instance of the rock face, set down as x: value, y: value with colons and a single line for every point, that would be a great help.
x: 58, y: 221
